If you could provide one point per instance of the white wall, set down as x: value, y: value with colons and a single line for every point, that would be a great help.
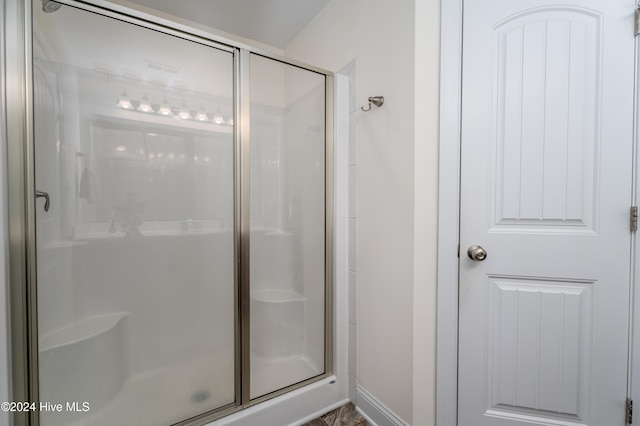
x: 427, y: 82
x: 396, y: 47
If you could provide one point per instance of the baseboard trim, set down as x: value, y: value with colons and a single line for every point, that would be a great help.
x: 374, y: 411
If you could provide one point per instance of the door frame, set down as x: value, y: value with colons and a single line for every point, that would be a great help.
x: 449, y: 220
x: 448, y: 212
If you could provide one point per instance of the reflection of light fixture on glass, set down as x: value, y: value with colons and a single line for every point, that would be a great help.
x: 184, y: 112
x: 217, y: 117
x: 145, y: 105
x: 202, y: 116
x: 182, y: 156
x: 121, y: 148
x: 160, y: 155
x: 124, y: 101
x: 172, y: 155
x: 230, y: 121
x: 196, y: 158
x: 151, y: 156
x: 165, y: 108
x: 206, y: 159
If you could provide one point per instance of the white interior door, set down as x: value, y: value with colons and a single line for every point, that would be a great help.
x: 547, y: 135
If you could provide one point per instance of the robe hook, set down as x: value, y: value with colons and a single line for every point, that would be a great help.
x: 376, y: 100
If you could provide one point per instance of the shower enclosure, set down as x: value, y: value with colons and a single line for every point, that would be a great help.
x: 181, y: 221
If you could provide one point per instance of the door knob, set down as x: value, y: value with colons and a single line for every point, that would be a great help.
x: 477, y: 253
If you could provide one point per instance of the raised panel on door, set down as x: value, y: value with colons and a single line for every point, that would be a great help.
x: 545, y: 121
x: 540, y: 347
x: 547, y: 134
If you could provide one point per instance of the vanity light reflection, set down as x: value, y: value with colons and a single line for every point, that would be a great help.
x: 145, y: 105
x: 165, y: 109
x: 124, y: 101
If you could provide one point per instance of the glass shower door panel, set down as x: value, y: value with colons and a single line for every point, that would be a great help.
x: 287, y: 236
x: 136, y: 256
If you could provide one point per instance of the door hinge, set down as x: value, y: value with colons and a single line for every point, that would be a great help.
x: 636, y: 21
x: 633, y: 218
x: 629, y: 413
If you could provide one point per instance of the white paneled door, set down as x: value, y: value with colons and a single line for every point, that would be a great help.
x: 547, y: 144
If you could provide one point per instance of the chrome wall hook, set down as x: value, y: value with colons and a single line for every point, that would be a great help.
x: 376, y: 100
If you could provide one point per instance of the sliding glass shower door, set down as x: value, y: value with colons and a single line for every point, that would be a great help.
x: 134, y: 168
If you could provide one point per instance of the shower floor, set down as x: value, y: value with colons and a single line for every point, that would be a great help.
x: 269, y: 374
x: 164, y: 396
x: 170, y: 395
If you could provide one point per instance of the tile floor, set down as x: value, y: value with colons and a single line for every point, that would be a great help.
x: 347, y: 415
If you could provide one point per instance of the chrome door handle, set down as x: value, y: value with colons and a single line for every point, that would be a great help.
x: 477, y: 253
x: 47, y: 200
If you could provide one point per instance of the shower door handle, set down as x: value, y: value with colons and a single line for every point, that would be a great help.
x: 47, y: 200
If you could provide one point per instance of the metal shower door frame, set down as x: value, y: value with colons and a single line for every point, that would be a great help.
x: 21, y: 215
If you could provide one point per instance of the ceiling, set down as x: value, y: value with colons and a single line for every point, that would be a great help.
x: 274, y: 22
